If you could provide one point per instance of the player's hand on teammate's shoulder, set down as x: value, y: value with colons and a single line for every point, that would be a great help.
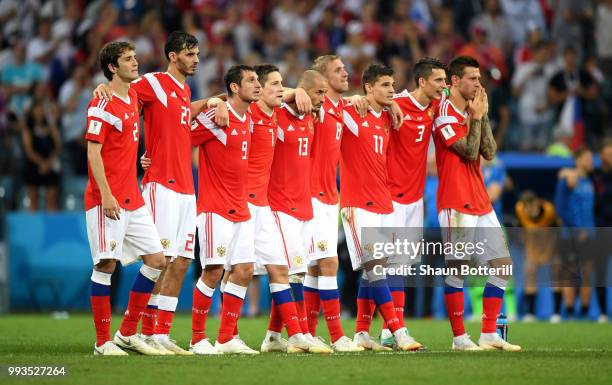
x: 396, y: 115
x: 110, y: 206
x: 103, y: 91
x: 145, y: 162
x: 221, y: 112
x: 302, y: 101
x: 360, y: 103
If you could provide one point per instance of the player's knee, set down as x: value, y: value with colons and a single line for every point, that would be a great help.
x: 156, y: 261
x: 243, y: 271
x: 211, y: 275
x: 106, y: 266
x: 328, y: 266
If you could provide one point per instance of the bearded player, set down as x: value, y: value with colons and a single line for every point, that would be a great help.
x: 462, y: 134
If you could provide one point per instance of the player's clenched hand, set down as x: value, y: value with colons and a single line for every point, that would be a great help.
x: 396, y: 115
x: 361, y: 105
x: 103, y: 91
x: 145, y: 162
x: 302, y: 101
x: 221, y: 115
x: 110, y: 206
x: 477, y: 107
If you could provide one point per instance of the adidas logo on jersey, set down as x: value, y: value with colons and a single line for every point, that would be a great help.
x: 260, y: 121
x: 365, y: 124
x: 173, y: 94
x: 407, y: 117
x: 290, y: 128
x: 126, y: 117
x: 234, y: 132
x: 377, y: 127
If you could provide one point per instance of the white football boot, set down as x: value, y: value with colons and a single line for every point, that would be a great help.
x: 273, y: 342
x: 405, y: 342
x: 135, y: 343
x: 152, y: 342
x: 464, y: 343
x: 108, y: 349
x: 203, y: 348
x: 234, y: 346
x: 170, y: 345
x: 492, y: 341
x: 346, y: 345
x: 364, y: 340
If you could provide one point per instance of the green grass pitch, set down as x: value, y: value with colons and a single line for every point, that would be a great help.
x: 567, y: 353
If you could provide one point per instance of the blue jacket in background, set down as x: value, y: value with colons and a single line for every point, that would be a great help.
x: 575, y: 206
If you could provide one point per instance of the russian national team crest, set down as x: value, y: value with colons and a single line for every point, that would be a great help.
x: 322, y: 246
x: 221, y: 251
x: 297, y: 260
x: 165, y: 243
x: 113, y: 245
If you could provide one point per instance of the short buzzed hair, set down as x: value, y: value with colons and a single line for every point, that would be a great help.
x: 308, y: 79
x: 320, y: 64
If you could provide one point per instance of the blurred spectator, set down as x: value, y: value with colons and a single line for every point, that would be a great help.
x: 499, y: 105
x: 561, y: 145
x: 356, y: 50
x: 602, y: 181
x: 41, y: 48
x: 445, y: 42
x: 42, y: 145
x: 19, y: 79
x: 537, y: 216
x: 573, y: 25
x: 481, y: 48
x: 494, y: 175
x: 212, y: 68
x: 530, y: 86
x: 494, y: 22
x: 524, y: 51
x: 603, y: 37
x: 574, y: 200
x: 574, y: 88
x: 523, y: 16
x: 74, y: 98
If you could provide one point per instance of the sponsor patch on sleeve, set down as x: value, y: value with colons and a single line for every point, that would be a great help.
x: 94, y: 127
x: 447, y: 132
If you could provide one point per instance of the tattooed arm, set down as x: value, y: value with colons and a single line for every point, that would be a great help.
x: 467, y: 147
x: 488, y: 146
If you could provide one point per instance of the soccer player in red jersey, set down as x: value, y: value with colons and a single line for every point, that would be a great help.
x: 269, y: 251
x: 407, y: 156
x: 165, y: 99
x: 365, y: 200
x: 227, y: 237
x: 119, y: 227
x: 321, y: 283
x: 462, y: 134
x: 289, y: 190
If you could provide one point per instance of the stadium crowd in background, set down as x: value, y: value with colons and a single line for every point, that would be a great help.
x: 547, y: 68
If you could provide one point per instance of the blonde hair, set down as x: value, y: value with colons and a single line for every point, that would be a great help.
x: 320, y: 64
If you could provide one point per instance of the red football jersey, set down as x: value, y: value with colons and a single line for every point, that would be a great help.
x: 407, y: 156
x: 114, y: 124
x: 461, y: 184
x: 289, y: 187
x: 166, y: 105
x: 363, y: 161
x: 223, y: 164
x: 326, y: 152
x: 261, y: 153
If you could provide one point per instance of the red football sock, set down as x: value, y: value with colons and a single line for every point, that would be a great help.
x: 199, y: 311
x: 275, y: 324
x: 454, y: 309
x: 387, y: 310
x: 364, y: 315
x: 148, y: 321
x: 101, y: 309
x: 136, y: 306
x: 164, y: 322
x: 492, y: 300
x: 313, y: 306
x: 331, y: 311
x: 288, y: 313
x: 302, y: 316
x: 230, y: 312
x: 399, y: 299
